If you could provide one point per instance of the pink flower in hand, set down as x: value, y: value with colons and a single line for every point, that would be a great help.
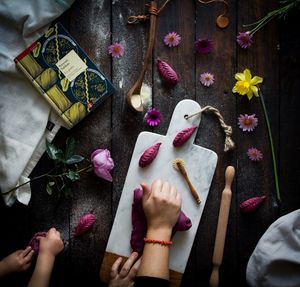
x: 102, y: 163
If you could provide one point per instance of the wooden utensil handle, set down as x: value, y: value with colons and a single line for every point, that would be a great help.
x: 191, y: 187
x: 214, y: 278
x: 222, y: 224
x: 135, y: 89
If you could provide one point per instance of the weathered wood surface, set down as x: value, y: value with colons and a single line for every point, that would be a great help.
x: 274, y: 55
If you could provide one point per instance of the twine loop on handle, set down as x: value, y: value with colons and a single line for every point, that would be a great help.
x: 152, y: 10
x: 229, y: 144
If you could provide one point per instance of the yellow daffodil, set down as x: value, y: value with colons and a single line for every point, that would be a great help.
x: 246, y: 85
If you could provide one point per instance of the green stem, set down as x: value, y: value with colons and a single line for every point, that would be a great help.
x: 260, y: 20
x: 272, y: 147
x: 31, y: 180
x: 43, y: 175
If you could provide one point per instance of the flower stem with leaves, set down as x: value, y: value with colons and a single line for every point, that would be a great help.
x: 281, y: 12
x: 64, y: 172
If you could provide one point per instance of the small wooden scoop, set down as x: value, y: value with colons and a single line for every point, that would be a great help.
x: 135, y: 91
x: 222, y: 227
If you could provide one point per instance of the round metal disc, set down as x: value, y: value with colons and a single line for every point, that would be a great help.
x: 222, y: 21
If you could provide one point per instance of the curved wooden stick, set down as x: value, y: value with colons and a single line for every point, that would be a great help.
x: 222, y: 227
x: 136, y: 88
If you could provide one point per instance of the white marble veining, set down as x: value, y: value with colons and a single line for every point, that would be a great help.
x: 200, y: 164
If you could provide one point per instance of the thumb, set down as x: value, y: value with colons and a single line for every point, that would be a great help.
x: 146, y: 190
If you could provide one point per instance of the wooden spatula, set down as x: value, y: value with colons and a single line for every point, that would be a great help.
x: 222, y: 226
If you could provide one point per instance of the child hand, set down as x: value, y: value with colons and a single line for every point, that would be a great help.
x: 162, y: 204
x: 125, y: 277
x: 51, y: 244
x: 18, y: 261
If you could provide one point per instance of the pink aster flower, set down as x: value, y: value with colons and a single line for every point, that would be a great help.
x: 153, y: 117
x: 207, y: 79
x: 247, y: 123
x: 244, y: 39
x: 116, y: 50
x: 172, y: 39
x: 204, y: 46
x: 254, y: 154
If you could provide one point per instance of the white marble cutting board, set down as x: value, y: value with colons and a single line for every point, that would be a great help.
x: 200, y: 164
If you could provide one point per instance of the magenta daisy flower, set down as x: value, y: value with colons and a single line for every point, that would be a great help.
x: 204, y: 46
x: 116, y: 50
x: 207, y: 79
x: 172, y: 39
x: 153, y: 117
x: 244, y: 39
x: 254, y: 154
x: 247, y: 123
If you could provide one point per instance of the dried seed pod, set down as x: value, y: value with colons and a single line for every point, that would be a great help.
x: 252, y: 204
x: 183, y: 136
x: 84, y: 225
x: 167, y: 72
x: 149, y: 155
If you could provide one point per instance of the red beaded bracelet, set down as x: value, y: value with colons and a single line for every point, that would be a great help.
x: 161, y: 242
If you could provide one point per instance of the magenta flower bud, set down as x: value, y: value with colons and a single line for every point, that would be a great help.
x: 102, y: 163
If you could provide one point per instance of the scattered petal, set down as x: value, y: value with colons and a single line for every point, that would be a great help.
x: 247, y: 122
x: 204, y: 46
x: 207, y: 79
x: 116, y: 50
x: 254, y: 154
x: 244, y: 39
x: 153, y: 117
x: 172, y: 39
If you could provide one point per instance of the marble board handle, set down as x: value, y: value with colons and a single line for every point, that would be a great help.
x: 222, y: 226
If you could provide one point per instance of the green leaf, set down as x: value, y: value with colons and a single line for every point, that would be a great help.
x: 49, y: 186
x: 70, y: 147
x: 60, y: 156
x: 72, y: 175
x: 74, y: 159
x: 53, y: 152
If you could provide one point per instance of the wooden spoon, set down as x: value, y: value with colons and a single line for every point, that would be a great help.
x: 222, y: 227
x: 136, y: 88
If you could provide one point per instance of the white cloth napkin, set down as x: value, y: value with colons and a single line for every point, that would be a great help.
x: 275, y: 262
x: 23, y: 112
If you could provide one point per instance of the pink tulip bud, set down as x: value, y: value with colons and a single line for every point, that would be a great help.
x: 102, y: 163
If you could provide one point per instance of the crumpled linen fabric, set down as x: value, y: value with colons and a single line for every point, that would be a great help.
x: 275, y: 262
x: 23, y: 112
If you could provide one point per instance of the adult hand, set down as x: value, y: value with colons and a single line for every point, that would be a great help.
x: 17, y: 261
x: 162, y: 204
x: 124, y: 277
x: 51, y: 244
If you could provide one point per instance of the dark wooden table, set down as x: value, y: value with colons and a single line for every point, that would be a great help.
x: 275, y: 55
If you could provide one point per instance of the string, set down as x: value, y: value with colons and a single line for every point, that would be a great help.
x: 229, y: 144
x: 151, y: 10
x: 211, y: 1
